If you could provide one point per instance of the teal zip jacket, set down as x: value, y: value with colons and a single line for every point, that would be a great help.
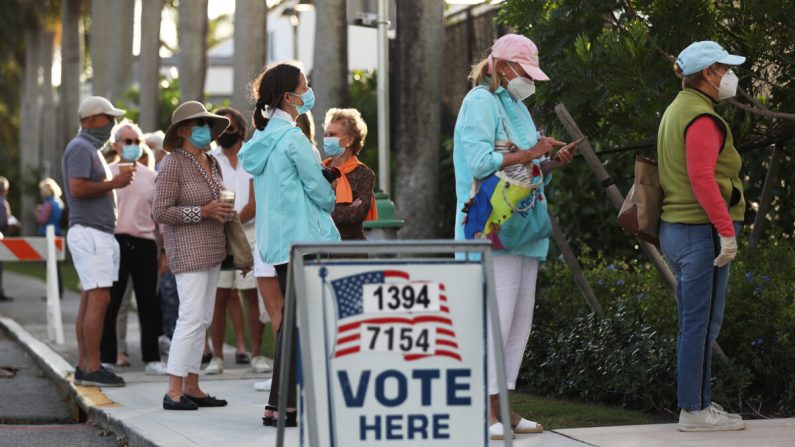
x: 485, y: 118
x: 294, y: 200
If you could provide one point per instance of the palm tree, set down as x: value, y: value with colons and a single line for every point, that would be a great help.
x: 330, y: 65
x: 29, y: 142
x: 251, y: 48
x: 418, y: 120
x: 149, y: 63
x: 192, y: 36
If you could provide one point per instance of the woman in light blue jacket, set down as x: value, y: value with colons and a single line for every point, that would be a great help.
x: 493, y: 112
x: 294, y: 199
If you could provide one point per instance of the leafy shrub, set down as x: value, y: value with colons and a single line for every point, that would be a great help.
x: 629, y: 356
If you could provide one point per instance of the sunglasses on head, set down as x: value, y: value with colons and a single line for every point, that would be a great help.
x: 129, y: 141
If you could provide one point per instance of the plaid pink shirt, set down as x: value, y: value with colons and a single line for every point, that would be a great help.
x: 182, y: 187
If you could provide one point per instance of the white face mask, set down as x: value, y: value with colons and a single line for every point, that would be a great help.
x: 728, y: 85
x: 520, y: 88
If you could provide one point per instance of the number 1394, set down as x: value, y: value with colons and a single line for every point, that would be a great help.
x: 408, y: 297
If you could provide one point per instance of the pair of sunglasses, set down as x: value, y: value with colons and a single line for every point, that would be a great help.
x: 129, y: 141
x: 202, y: 122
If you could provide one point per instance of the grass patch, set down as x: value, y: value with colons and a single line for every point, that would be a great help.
x: 557, y: 413
x: 268, y: 348
x: 38, y: 270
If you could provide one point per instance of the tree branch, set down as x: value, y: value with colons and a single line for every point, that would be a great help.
x: 763, y: 111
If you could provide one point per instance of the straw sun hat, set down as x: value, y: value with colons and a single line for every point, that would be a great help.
x: 188, y: 111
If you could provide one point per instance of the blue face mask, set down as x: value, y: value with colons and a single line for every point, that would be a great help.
x: 331, y: 146
x: 308, y: 97
x: 131, y: 152
x: 200, y: 136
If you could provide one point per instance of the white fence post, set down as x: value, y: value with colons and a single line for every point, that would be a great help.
x: 54, y: 322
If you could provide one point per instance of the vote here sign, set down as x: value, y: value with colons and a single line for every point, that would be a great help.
x: 397, y: 351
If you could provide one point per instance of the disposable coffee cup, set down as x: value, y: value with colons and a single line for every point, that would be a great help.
x: 126, y: 166
x: 228, y: 197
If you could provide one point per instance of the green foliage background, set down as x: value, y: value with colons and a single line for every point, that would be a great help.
x: 609, y: 63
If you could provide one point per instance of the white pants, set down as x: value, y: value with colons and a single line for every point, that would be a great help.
x: 515, y: 284
x: 196, y: 300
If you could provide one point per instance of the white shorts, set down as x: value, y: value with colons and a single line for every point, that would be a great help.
x: 233, y: 279
x: 261, y: 269
x: 95, y: 255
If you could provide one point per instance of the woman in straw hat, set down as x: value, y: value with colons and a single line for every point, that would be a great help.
x: 493, y: 111
x: 187, y: 202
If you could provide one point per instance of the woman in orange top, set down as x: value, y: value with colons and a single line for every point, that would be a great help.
x: 345, y: 132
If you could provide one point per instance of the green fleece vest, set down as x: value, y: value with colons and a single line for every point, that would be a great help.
x: 679, y: 202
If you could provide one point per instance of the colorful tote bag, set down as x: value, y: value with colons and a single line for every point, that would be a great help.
x: 508, y: 208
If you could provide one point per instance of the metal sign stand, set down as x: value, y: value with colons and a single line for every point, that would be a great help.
x: 296, y: 288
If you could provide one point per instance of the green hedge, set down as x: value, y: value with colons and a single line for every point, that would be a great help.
x: 629, y: 357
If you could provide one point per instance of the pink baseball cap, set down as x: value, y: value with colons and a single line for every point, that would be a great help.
x: 519, y: 49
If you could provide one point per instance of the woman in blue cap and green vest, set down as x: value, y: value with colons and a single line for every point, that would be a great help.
x: 703, y: 208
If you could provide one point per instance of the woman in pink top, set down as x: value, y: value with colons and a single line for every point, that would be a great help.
x: 135, y: 232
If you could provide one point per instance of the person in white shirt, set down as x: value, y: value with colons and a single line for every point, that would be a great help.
x: 135, y: 233
x: 231, y: 282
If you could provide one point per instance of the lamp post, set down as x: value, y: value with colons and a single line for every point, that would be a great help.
x: 292, y: 15
x: 382, y: 92
x: 388, y: 224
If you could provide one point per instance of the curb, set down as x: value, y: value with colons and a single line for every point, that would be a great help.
x: 90, y: 400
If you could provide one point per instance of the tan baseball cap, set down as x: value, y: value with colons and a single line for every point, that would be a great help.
x: 97, y: 105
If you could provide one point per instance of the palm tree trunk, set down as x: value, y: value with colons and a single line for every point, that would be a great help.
x: 251, y: 49
x: 101, y: 30
x: 49, y: 128
x: 121, y: 43
x: 418, y: 121
x: 71, y: 67
x: 149, y: 63
x: 29, y: 129
x: 330, y: 65
x: 192, y: 36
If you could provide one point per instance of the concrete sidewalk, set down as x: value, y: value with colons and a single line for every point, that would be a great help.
x: 135, y: 411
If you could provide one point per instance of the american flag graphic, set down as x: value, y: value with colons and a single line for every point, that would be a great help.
x: 351, y: 316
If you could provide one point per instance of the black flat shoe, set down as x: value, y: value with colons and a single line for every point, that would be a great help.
x: 208, y: 401
x: 183, y: 404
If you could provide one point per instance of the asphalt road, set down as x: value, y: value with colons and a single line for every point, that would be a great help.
x: 34, y: 411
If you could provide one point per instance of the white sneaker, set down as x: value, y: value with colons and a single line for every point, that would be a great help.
x: 259, y: 364
x: 216, y: 366
x: 155, y: 369
x: 730, y: 415
x: 708, y: 419
x: 164, y: 344
x: 265, y: 385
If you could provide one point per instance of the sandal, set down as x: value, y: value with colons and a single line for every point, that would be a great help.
x: 497, y: 433
x: 526, y: 426
x: 269, y: 421
x: 242, y: 358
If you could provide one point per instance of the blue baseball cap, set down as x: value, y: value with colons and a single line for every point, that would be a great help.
x: 700, y: 55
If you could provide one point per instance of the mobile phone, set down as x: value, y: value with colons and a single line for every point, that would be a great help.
x: 572, y: 145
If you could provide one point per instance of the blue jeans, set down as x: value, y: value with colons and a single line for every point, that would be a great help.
x: 169, y: 303
x: 701, y: 295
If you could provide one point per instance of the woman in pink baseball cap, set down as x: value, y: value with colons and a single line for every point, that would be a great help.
x: 495, y: 132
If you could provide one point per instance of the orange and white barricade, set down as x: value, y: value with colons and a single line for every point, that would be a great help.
x: 37, y: 249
